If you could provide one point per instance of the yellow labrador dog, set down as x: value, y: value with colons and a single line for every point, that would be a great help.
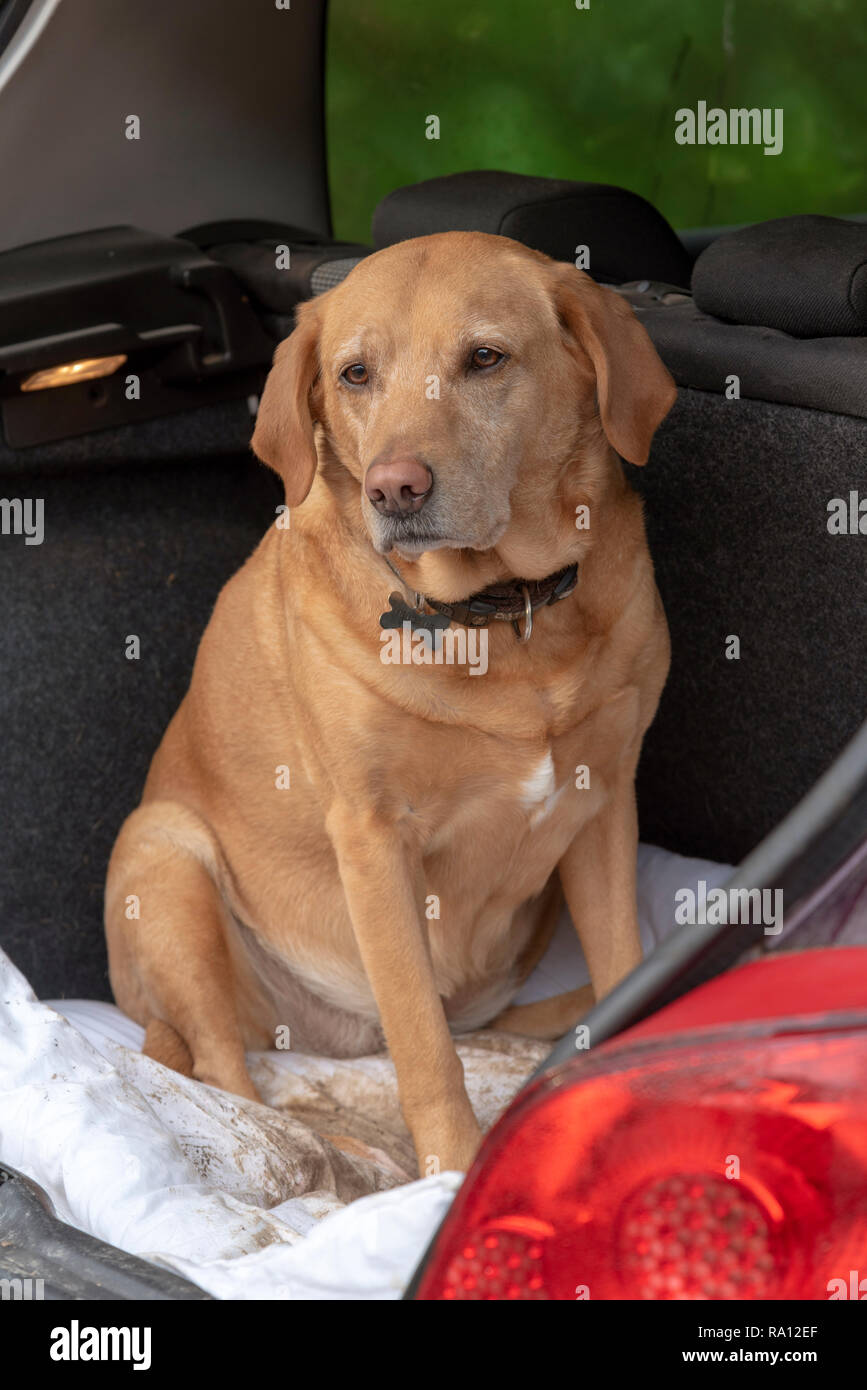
x: 353, y: 829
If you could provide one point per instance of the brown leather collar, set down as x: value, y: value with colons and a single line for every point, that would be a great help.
x: 508, y: 601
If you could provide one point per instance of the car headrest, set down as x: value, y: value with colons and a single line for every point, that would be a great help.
x: 626, y: 237
x: 806, y: 276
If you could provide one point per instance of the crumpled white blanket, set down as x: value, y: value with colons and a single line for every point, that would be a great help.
x: 249, y: 1200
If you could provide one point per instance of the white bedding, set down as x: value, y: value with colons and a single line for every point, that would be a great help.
x: 248, y: 1200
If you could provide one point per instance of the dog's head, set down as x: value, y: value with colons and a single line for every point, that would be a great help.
x: 462, y: 379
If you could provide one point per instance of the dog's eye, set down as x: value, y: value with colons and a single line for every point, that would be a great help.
x: 485, y: 357
x: 356, y: 374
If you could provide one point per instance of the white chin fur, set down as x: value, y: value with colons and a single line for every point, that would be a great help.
x: 410, y: 550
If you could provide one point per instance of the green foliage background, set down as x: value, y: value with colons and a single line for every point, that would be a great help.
x: 538, y: 87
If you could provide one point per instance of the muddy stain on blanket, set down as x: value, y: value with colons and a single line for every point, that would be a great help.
x: 330, y: 1131
x: 354, y: 1102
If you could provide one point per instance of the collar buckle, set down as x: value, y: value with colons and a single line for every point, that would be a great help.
x: 528, y: 617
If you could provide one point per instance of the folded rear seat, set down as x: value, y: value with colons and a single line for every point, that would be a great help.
x: 781, y: 305
x: 762, y: 454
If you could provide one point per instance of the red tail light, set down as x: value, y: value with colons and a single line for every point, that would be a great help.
x: 725, y: 1167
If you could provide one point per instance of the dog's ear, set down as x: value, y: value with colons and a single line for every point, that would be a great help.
x: 635, y: 391
x: 283, y: 437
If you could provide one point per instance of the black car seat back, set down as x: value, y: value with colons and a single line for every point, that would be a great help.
x: 624, y: 235
x: 754, y: 513
x: 803, y: 275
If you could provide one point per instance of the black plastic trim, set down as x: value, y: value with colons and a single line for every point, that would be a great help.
x: 181, y: 320
x: 38, y: 1249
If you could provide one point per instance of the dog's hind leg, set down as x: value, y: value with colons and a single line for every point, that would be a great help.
x: 163, y: 1043
x: 170, y: 960
x: 547, y: 1019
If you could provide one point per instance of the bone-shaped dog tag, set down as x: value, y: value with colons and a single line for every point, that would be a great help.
x: 400, y: 612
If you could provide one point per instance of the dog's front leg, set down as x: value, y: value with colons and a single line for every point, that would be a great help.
x: 598, y: 873
x: 378, y: 880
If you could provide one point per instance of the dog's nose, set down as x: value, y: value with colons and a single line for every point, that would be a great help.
x: 398, y: 485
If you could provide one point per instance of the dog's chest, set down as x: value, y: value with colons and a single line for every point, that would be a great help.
x: 512, y: 817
